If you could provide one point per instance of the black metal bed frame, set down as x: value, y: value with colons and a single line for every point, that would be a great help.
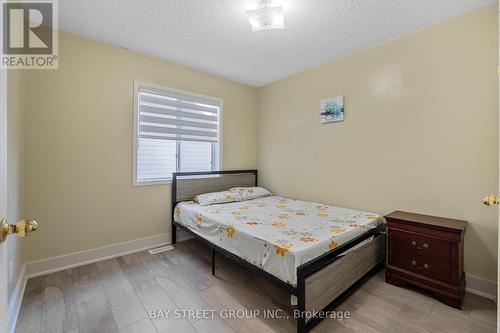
x: 303, y: 271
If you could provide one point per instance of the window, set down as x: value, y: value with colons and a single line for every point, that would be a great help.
x: 174, y: 131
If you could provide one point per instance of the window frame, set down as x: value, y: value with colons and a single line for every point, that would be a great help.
x: 145, y: 84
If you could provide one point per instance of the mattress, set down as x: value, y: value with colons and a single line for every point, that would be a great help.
x: 274, y: 233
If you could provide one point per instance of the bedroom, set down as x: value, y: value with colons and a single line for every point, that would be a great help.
x: 375, y: 106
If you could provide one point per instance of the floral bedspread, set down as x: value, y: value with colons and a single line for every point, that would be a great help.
x: 274, y: 233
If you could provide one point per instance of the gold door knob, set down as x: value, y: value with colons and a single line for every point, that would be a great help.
x: 491, y: 199
x: 21, y: 228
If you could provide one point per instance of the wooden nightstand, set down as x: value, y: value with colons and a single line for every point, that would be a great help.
x: 427, y: 251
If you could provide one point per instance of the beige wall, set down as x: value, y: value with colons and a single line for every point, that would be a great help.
x: 420, y: 134
x: 16, y: 82
x: 79, y: 145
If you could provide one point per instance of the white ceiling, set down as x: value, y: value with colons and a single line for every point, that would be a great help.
x: 214, y: 35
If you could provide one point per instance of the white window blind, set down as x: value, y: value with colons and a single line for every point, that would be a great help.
x: 175, y: 132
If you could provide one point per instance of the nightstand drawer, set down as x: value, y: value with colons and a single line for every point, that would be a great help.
x: 421, y: 245
x: 423, y: 265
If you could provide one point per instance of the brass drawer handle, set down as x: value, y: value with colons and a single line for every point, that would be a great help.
x: 414, y: 263
x: 425, y: 246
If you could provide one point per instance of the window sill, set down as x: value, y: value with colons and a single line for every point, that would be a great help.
x: 152, y: 183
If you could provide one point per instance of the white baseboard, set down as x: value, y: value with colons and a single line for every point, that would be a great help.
x: 16, y: 299
x: 481, y: 287
x: 76, y: 259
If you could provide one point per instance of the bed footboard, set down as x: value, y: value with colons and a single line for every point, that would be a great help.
x: 330, y: 282
x: 327, y: 287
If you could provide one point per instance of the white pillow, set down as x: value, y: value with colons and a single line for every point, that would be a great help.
x: 216, y: 197
x: 247, y: 193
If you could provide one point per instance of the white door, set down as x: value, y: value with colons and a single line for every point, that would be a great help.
x: 498, y: 233
x: 3, y: 196
x: 3, y: 191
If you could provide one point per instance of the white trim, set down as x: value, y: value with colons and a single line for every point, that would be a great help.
x: 145, y: 84
x: 16, y: 299
x: 220, y: 129
x: 135, y: 134
x: 151, y: 182
x: 76, y: 259
x: 481, y: 287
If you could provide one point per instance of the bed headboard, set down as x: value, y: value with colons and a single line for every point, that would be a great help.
x: 187, y: 185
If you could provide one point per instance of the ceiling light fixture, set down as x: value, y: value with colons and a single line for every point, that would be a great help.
x: 267, y: 17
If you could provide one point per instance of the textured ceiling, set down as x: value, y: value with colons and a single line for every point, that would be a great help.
x: 214, y: 35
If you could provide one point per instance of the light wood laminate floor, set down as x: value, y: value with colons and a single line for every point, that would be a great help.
x: 116, y: 296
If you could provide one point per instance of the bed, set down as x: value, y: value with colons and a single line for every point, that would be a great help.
x: 319, y: 253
